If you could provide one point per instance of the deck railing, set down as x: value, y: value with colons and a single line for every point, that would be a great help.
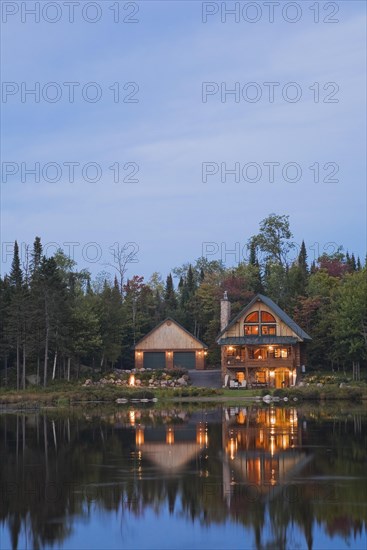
x: 269, y: 362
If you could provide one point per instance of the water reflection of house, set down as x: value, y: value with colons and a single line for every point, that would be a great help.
x: 171, y: 448
x: 261, y: 448
x: 262, y: 345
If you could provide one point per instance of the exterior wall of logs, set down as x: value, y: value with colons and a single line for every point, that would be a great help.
x: 260, y: 367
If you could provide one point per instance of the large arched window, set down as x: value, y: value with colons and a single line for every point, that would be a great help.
x: 252, y: 324
x: 260, y: 323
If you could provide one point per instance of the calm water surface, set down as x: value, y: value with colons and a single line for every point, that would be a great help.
x: 232, y: 477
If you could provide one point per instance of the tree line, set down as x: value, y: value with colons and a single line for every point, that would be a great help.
x: 56, y: 320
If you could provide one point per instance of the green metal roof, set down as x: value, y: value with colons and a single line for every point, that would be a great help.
x: 277, y: 310
x: 256, y: 340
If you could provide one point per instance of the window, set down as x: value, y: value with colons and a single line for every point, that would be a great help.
x: 260, y: 323
x: 267, y: 317
x: 258, y: 353
x: 282, y: 353
x: 260, y: 377
x: 251, y: 329
x: 267, y: 330
x: 252, y: 317
x: 231, y: 351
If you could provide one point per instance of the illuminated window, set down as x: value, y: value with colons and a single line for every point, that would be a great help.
x: 260, y: 323
x: 257, y: 353
x: 282, y: 353
x: 260, y: 377
x: 252, y: 317
x: 267, y: 317
x: 268, y: 330
x: 251, y: 329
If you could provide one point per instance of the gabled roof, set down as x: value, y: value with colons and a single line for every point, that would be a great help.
x: 170, y: 458
x: 277, y: 310
x: 177, y: 324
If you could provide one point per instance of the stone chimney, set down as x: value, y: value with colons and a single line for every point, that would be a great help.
x: 225, y: 311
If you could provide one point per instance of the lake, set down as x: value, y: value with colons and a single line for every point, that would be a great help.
x: 240, y: 477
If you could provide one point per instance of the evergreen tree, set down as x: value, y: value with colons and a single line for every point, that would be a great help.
x: 53, y: 305
x: 190, y: 281
x: 353, y: 263
x: 16, y: 275
x: 253, y: 257
x: 302, y: 259
x: 36, y: 256
x: 16, y: 308
x: 170, y: 301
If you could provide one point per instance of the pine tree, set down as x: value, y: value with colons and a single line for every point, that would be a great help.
x: 36, y: 256
x: 302, y: 259
x: 16, y: 275
x: 5, y: 341
x: 16, y: 307
x: 53, y: 305
x: 170, y: 300
x: 353, y: 263
x: 190, y: 281
x: 253, y: 258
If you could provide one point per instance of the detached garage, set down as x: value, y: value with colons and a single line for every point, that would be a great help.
x: 169, y: 345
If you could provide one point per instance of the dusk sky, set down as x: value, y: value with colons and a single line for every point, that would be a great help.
x: 166, y: 123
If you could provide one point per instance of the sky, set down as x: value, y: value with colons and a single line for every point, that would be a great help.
x: 174, y: 96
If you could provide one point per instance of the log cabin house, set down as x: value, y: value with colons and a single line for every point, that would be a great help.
x: 262, y: 346
x: 169, y: 345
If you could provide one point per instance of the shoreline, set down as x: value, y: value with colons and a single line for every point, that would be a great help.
x: 76, y: 397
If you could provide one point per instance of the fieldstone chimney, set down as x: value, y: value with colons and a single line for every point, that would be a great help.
x: 225, y: 311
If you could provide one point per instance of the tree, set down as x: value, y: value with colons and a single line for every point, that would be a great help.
x: 253, y: 257
x: 16, y: 308
x: 5, y: 340
x: 170, y: 300
x: 36, y: 255
x: 122, y: 256
x: 273, y: 240
x: 351, y: 316
x: 85, y: 328
x: 53, y: 305
x: 109, y: 309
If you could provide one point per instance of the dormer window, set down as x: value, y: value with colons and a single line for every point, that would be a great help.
x: 260, y: 324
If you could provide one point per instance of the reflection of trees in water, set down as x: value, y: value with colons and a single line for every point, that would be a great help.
x: 53, y: 469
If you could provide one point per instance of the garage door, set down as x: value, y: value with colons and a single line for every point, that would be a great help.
x: 184, y: 359
x: 154, y: 360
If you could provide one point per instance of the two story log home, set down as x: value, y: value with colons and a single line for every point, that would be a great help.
x: 262, y: 346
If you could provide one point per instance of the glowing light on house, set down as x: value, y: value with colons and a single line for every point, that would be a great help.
x: 272, y: 445
x: 232, y: 448
x: 139, y: 436
x: 132, y: 418
x: 170, y: 436
x: 202, y: 438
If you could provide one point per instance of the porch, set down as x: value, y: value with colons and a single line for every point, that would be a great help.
x: 252, y: 377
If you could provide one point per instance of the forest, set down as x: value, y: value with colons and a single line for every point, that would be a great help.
x: 58, y: 322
